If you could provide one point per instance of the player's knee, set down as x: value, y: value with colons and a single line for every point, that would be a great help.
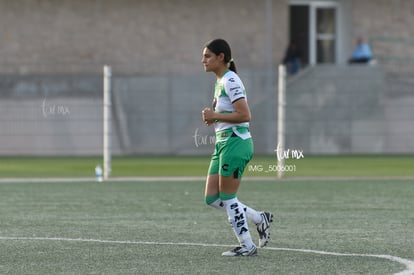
x: 211, y: 199
x: 214, y: 201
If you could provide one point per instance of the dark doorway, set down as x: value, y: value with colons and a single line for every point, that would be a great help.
x: 299, y: 29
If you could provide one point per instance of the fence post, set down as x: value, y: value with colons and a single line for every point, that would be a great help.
x: 281, y: 120
x: 107, y: 121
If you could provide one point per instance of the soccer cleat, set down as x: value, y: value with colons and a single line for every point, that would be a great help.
x: 241, y: 251
x: 264, y: 228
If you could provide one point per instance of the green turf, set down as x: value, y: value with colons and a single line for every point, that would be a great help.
x: 261, y: 166
x: 347, y: 216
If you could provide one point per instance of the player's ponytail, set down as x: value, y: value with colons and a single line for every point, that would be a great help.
x: 218, y: 46
x: 232, y: 66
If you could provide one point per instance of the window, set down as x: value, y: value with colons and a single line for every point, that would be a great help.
x: 314, y: 25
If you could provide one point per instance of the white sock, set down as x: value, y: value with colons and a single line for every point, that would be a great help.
x: 238, y: 221
x: 252, y: 214
x: 218, y: 204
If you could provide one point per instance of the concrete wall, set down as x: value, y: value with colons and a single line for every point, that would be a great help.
x: 54, y: 115
x: 383, y: 18
x: 157, y: 114
x: 162, y: 115
x: 349, y: 109
x: 330, y: 107
x: 387, y: 25
x: 52, y: 55
x: 330, y: 110
x: 72, y: 36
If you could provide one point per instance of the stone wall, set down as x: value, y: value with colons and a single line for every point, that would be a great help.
x: 349, y: 110
x: 72, y: 36
x: 387, y: 25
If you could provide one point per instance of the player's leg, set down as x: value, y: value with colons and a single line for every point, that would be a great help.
x: 213, y: 199
x: 243, y: 151
x: 233, y: 159
x: 212, y: 189
x: 212, y: 192
x: 228, y: 186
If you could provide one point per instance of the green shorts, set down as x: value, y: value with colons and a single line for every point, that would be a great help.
x: 231, y: 156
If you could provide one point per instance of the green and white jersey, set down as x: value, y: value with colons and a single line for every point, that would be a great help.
x: 228, y: 89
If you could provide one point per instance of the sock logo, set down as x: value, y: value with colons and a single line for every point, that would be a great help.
x: 239, y: 219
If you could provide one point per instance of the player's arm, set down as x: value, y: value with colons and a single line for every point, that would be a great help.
x: 241, y: 113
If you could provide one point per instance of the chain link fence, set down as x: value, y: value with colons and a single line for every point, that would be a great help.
x: 330, y: 110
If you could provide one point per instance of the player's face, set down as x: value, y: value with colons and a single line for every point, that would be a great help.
x: 211, y: 61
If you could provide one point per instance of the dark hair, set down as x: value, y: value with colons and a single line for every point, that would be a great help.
x: 218, y: 46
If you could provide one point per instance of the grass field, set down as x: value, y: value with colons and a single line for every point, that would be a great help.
x: 329, y: 218
x: 260, y: 166
x: 165, y: 228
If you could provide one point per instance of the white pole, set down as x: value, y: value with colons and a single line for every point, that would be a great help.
x: 107, y: 122
x: 281, y: 120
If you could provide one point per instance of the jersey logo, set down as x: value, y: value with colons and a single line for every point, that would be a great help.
x: 238, y: 93
x: 234, y: 88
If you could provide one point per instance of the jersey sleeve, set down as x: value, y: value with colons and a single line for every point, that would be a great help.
x: 234, y: 89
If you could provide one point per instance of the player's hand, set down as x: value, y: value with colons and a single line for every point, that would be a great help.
x: 208, y: 116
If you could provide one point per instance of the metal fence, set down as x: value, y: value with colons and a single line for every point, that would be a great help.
x: 151, y: 114
x: 329, y: 110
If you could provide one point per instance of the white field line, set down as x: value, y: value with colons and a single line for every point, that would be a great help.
x: 409, y: 264
x: 195, y: 178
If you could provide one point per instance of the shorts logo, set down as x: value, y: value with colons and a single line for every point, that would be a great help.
x: 225, y: 167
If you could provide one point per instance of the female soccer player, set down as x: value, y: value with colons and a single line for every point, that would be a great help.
x: 230, y: 116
